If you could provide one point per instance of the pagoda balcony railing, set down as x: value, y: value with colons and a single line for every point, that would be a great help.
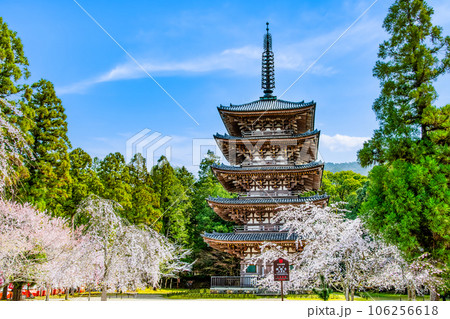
x: 252, y: 228
x: 233, y: 281
x: 266, y: 162
x: 270, y: 193
x: 267, y: 133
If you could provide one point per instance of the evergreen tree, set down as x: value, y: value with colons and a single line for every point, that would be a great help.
x: 145, y: 201
x: 84, y: 179
x: 409, y: 205
x: 186, y: 178
x: 411, y: 60
x: 114, y: 174
x: 345, y: 186
x: 205, y: 219
x: 408, y: 197
x: 323, y: 292
x: 342, y: 186
x: 49, y: 181
x: 15, y: 115
x: 173, y: 201
x: 13, y: 63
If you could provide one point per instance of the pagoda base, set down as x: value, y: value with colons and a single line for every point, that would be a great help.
x: 245, y: 245
x: 233, y: 284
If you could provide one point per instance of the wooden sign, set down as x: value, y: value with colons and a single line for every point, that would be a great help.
x: 281, y: 270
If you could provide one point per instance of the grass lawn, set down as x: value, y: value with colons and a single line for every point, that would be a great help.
x: 205, y: 294
x: 336, y: 296
x: 161, y: 291
x: 377, y: 296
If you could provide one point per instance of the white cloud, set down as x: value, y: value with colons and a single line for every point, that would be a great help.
x: 240, y: 60
x: 295, y: 56
x: 244, y: 60
x: 342, y: 143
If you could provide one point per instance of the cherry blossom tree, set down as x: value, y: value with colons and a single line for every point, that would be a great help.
x: 74, y: 266
x: 334, y: 247
x: 417, y: 277
x: 129, y: 257
x: 12, y: 145
x: 30, y: 241
x: 343, y: 252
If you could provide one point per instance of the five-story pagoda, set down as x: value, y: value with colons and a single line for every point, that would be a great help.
x: 272, y: 146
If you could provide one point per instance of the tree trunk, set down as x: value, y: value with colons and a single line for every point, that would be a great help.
x: 89, y: 294
x: 67, y: 294
x: 353, y: 294
x: 104, y: 293
x: 434, y: 296
x: 17, y: 291
x: 47, y: 293
x: 5, y: 292
x: 411, y: 293
x: 346, y: 293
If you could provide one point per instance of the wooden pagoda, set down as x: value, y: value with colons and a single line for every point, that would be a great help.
x: 272, y: 147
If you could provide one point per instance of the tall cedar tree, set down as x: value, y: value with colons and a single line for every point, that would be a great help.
x: 84, y: 180
x: 408, y: 197
x: 13, y: 63
x: 114, y: 174
x: 13, y: 70
x: 49, y: 181
x: 173, y: 202
x: 145, y: 202
x: 187, y: 179
x: 412, y: 59
x: 204, y: 219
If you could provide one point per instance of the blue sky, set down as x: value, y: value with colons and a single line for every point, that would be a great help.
x: 204, y: 53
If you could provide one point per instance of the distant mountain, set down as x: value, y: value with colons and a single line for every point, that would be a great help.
x: 350, y: 166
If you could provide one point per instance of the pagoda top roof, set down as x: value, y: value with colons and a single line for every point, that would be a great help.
x: 251, y: 236
x: 265, y: 200
x: 229, y: 137
x: 266, y: 104
x: 266, y: 168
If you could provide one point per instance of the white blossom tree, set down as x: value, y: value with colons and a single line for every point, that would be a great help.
x: 12, y: 145
x: 417, y: 277
x: 129, y: 257
x: 343, y: 252
x: 75, y: 266
x: 30, y: 241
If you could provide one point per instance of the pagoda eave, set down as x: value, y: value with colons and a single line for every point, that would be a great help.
x: 246, y: 248
x: 281, y: 179
x: 239, y: 120
x: 243, y: 210
x: 297, y: 149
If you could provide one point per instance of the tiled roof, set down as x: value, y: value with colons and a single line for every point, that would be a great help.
x: 251, y: 236
x: 229, y: 137
x: 260, y: 168
x: 266, y: 105
x: 281, y: 201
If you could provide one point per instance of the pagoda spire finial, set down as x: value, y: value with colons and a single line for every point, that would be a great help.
x: 268, y: 70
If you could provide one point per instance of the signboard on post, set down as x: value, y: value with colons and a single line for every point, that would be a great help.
x: 281, y: 272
